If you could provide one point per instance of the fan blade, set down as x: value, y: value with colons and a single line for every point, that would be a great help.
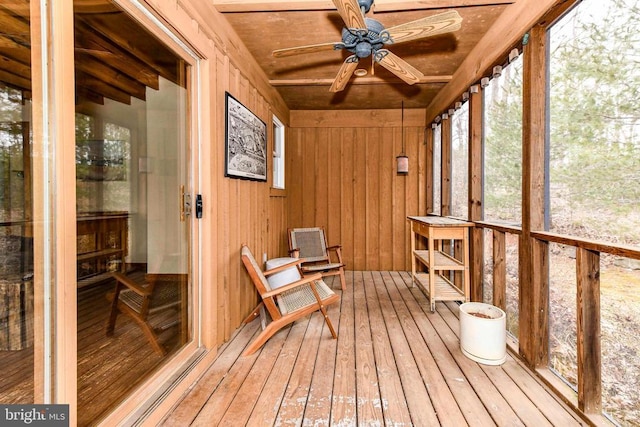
x: 290, y: 51
x: 346, y: 70
x: 351, y: 14
x: 430, y: 26
x: 398, y: 66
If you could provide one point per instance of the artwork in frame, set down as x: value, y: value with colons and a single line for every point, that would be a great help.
x: 246, y: 143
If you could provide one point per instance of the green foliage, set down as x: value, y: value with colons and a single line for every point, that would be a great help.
x: 503, y: 146
x: 594, y: 116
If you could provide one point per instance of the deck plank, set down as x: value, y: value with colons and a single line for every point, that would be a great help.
x: 556, y: 411
x: 215, y: 408
x: 295, y: 396
x: 343, y: 407
x: 394, y: 363
x: 238, y: 411
x: 317, y: 412
x: 495, y: 404
x: 414, y: 390
x: 368, y: 403
x: 394, y: 403
x: 527, y: 410
x: 442, y: 399
x: 183, y: 414
x: 473, y: 410
x: 268, y: 404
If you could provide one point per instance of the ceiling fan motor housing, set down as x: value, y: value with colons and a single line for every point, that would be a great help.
x: 363, y: 42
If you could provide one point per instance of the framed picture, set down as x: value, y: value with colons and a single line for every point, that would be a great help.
x: 246, y: 143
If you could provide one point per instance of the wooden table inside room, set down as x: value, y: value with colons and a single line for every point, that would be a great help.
x: 440, y: 232
x: 108, y: 242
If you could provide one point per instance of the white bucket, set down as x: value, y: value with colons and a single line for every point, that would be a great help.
x: 483, y: 333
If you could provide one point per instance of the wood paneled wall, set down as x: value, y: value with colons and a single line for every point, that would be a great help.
x: 341, y: 174
x: 235, y: 211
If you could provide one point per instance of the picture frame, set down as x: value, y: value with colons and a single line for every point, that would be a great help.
x: 245, y: 142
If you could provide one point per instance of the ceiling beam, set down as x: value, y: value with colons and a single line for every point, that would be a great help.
x: 398, y: 5
x: 355, y: 81
x: 380, y: 6
x: 270, y: 6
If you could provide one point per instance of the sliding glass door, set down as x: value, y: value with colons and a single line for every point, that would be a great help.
x: 133, y: 189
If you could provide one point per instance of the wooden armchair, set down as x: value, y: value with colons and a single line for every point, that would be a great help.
x: 141, y: 301
x: 311, y: 245
x: 287, y: 303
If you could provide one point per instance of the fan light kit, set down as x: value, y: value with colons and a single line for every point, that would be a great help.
x: 367, y: 37
x: 360, y: 72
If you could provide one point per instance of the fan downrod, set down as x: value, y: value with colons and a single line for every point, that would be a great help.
x: 365, y: 5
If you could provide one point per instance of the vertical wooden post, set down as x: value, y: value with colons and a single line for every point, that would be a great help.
x: 589, y: 351
x: 499, y: 269
x: 445, y: 169
x: 428, y: 139
x: 533, y: 271
x: 445, y: 181
x: 476, y: 237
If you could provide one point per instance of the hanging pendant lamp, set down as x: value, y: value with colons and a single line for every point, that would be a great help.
x: 402, y: 161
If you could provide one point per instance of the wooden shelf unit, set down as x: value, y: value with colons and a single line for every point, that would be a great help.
x: 438, y: 230
x: 106, y: 245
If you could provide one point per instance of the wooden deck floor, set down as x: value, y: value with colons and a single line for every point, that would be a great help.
x: 394, y: 363
x: 109, y: 368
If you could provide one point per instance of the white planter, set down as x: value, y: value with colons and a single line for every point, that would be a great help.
x: 483, y: 335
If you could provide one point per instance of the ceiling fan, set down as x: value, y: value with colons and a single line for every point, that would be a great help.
x: 365, y: 37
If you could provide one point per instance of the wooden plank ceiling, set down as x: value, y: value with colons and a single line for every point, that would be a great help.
x: 303, y: 80
x: 115, y: 57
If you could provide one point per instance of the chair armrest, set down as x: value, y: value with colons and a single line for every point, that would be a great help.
x: 283, y: 267
x: 140, y: 290
x: 295, y: 252
x: 306, y: 279
x: 338, y: 250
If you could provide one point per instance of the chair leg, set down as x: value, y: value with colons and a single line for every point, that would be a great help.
x: 111, y: 323
x: 323, y: 310
x: 262, y: 338
x: 328, y: 321
x: 254, y: 314
x: 342, y: 279
x: 151, y: 336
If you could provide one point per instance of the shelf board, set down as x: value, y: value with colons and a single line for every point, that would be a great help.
x: 442, y: 260
x: 99, y: 254
x: 444, y: 290
x: 92, y: 280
